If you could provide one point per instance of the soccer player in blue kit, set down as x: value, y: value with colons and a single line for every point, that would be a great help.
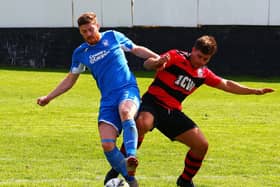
x: 103, y: 54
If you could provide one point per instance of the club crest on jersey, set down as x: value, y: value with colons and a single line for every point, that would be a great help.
x: 105, y: 43
x: 185, y: 82
x: 95, y: 57
x: 199, y: 72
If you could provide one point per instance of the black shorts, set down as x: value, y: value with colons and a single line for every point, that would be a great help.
x: 169, y: 122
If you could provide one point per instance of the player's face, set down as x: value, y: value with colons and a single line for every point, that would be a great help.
x: 199, y: 59
x: 90, y: 33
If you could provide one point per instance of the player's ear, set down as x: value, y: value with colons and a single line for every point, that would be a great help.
x: 98, y: 26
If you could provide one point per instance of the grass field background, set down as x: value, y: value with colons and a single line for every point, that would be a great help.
x: 58, y: 145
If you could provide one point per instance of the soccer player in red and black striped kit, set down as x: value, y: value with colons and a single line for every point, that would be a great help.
x: 178, y: 75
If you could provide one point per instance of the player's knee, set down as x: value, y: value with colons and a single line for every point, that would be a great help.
x: 127, y: 110
x: 108, y: 146
x: 126, y: 114
x: 144, y: 124
x: 202, y: 147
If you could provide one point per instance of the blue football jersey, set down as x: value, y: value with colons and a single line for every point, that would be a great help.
x: 106, y: 61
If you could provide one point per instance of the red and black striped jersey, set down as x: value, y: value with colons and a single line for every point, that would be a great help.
x: 178, y: 79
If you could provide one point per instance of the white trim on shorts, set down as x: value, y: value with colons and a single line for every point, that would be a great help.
x: 109, y: 123
x: 133, y: 100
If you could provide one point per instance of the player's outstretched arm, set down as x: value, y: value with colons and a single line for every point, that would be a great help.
x: 156, y: 63
x: 64, y: 86
x: 236, y: 88
x: 143, y: 52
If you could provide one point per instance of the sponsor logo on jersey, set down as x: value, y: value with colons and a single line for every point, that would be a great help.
x: 185, y: 82
x: 98, y: 56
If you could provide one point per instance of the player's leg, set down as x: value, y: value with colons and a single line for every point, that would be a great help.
x: 128, y: 110
x: 139, y: 143
x: 128, y: 106
x: 108, y: 135
x: 177, y: 126
x: 110, y: 127
x: 198, y: 144
x: 112, y: 173
x: 145, y: 123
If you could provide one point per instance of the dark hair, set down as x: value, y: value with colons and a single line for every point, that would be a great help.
x: 206, y: 44
x: 88, y: 17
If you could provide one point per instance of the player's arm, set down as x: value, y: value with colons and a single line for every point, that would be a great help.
x: 64, y: 86
x: 156, y: 63
x: 236, y: 88
x: 143, y: 52
x: 128, y: 46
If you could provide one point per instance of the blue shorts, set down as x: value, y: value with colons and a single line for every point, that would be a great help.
x: 109, y: 106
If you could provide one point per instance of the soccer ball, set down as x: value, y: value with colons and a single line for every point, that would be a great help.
x: 116, y: 182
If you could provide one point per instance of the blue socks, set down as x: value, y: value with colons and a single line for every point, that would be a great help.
x: 117, y: 161
x: 130, y: 137
x: 115, y: 157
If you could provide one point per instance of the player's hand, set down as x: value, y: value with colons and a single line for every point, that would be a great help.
x: 160, y: 63
x: 42, y: 101
x: 263, y: 91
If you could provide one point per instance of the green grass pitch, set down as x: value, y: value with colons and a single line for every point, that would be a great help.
x: 58, y: 145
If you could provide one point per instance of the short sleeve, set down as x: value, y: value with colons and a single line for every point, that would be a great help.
x: 76, y: 66
x: 211, y: 78
x: 126, y: 44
